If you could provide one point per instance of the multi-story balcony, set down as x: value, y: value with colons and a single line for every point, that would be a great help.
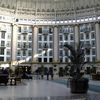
x: 24, y: 32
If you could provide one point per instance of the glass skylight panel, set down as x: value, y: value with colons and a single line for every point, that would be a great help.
x: 49, y: 22
x: 94, y: 18
x: 90, y: 18
x: 86, y: 19
x: 74, y: 21
x: 82, y: 20
x: 78, y: 20
x: 99, y: 17
x: 70, y: 21
x: 61, y: 22
x: 66, y: 21
x: 57, y: 21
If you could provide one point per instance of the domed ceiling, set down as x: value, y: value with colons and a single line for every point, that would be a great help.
x: 49, y: 8
x: 49, y: 5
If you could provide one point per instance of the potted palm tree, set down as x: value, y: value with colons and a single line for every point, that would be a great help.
x: 78, y: 84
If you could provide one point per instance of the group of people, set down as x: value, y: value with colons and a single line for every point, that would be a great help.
x: 41, y: 73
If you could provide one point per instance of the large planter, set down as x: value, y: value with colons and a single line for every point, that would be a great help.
x: 79, y: 85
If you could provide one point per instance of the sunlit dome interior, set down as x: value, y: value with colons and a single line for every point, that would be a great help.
x: 51, y: 8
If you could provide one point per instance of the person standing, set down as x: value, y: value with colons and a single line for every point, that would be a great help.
x: 51, y: 73
x: 42, y: 72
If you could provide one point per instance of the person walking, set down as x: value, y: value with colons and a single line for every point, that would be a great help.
x: 47, y: 73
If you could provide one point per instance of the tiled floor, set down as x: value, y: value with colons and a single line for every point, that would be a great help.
x: 42, y: 90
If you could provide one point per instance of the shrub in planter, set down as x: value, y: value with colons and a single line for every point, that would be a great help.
x: 78, y: 84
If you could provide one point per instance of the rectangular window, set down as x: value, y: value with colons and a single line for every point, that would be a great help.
x: 19, y: 45
x: 30, y: 45
x: 87, y: 51
x: 93, y: 59
x: 92, y: 35
x: 71, y: 37
x: 8, y: 44
x: 24, y: 52
x: 50, y: 59
x: 45, y: 59
x: 40, y: 30
x: 45, y: 37
x: 25, y: 29
x: 8, y: 58
x: 9, y: 36
x: 45, y: 54
x: 61, y: 45
x: 61, y: 59
x: 30, y: 37
x: 30, y: 29
x: 24, y: 37
x: 66, y: 59
x: 50, y: 37
x: 40, y: 59
x: 93, y: 52
x: 50, y: 30
x: 18, y: 53
x: 60, y: 30
x: 40, y: 37
x: 19, y: 29
x: 40, y: 45
x: 19, y: 37
x: 92, y: 27
x: 50, y: 53
x: 88, y: 59
x: 66, y: 52
x: 81, y: 36
x: 2, y: 51
x: 93, y: 44
x: 8, y: 52
x: 29, y: 52
x: 66, y: 37
x: 24, y: 45
x: 60, y: 37
x: 50, y: 45
x: 2, y: 43
x: 61, y: 53
x: 1, y: 58
x: 3, y: 35
x: 87, y: 36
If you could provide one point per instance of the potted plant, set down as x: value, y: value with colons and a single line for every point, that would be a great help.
x: 78, y: 84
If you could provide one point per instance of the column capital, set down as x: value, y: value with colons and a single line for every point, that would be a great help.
x: 77, y: 25
x: 55, y: 26
x: 13, y: 23
x: 35, y: 26
x: 97, y: 22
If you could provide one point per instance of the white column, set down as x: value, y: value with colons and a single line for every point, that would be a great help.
x: 56, y: 44
x: 97, y: 26
x: 14, y: 42
x: 34, y: 43
x: 77, y: 34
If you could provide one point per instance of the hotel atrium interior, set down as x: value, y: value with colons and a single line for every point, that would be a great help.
x: 47, y: 47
